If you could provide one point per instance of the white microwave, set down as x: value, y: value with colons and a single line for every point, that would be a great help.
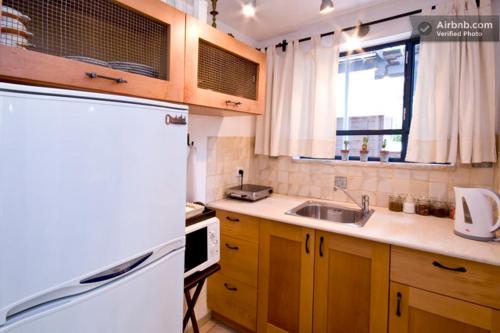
x: 202, y: 245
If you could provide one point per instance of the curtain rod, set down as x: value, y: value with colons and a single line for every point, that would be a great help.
x: 284, y: 43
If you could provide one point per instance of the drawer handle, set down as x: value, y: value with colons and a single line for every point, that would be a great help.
x: 232, y: 219
x: 235, y: 248
x: 236, y: 104
x: 454, y: 269
x: 228, y: 287
x: 398, y: 307
x: 307, y: 243
x: 94, y: 75
x: 321, y: 240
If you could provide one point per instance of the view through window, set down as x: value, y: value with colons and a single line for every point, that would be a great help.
x: 375, y: 88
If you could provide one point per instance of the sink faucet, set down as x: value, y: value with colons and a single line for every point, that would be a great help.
x: 365, y: 200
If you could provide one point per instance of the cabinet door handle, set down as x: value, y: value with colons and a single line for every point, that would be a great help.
x: 235, y: 248
x: 398, y: 306
x: 307, y: 243
x: 228, y: 287
x: 454, y: 269
x: 236, y: 104
x: 94, y: 75
x: 321, y: 240
x: 232, y: 219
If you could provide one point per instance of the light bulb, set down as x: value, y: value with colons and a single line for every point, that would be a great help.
x: 249, y: 9
x: 353, y: 43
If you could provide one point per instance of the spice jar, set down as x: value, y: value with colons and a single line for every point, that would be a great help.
x: 395, y: 203
x: 440, y: 209
x: 451, y: 204
x: 423, y: 206
x: 409, y: 205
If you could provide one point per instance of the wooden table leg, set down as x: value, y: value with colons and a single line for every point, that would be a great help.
x: 191, y: 302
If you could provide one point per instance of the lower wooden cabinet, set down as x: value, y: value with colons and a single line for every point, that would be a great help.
x: 351, y: 282
x: 414, y: 310
x: 313, y: 281
x: 285, y: 288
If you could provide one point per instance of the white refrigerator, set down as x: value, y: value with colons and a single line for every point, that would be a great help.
x: 92, y: 193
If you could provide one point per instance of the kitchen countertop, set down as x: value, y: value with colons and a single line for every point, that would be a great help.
x: 425, y: 233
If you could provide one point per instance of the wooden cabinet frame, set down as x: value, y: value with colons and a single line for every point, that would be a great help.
x: 24, y: 66
x: 374, y: 256
x: 196, y: 30
x: 304, y: 238
x: 403, y: 298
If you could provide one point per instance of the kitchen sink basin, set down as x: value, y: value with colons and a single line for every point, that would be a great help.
x: 331, y: 213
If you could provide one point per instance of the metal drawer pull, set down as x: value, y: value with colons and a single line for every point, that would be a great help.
x: 454, y: 269
x: 236, y: 248
x: 307, y: 243
x: 228, y: 287
x: 232, y: 219
x: 398, y: 307
x: 228, y: 102
x: 321, y: 240
x: 94, y: 75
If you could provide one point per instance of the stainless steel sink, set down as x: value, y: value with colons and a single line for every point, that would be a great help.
x: 331, y: 212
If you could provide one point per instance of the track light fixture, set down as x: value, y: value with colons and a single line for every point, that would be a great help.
x: 326, y: 6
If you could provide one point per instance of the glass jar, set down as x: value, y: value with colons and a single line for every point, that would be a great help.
x: 440, y: 209
x: 423, y: 206
x: 396, y: 203
x: 451, y: 204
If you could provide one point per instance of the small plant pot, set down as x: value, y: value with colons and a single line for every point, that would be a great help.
x: 384, y: 156
x: 363, y: 155
x: 344, y: 154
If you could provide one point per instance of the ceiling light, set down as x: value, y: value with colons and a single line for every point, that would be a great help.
x: 361, y: 29
x: 326, y: 6
x: 249, y: 8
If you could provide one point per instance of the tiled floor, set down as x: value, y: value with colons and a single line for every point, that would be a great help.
x: 215, y: 327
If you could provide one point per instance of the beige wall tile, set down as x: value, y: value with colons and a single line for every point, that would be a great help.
x: 438, y: 190
x: 438, y: 176
x: 385, y: 186
x: 482, y: 177
x: 422, y: 175
x: 401, y: 174
x: 419, y: 188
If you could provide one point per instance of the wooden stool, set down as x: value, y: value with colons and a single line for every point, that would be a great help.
x: 197, y: 279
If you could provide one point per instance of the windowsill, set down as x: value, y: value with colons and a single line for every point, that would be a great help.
x: 377, y: 164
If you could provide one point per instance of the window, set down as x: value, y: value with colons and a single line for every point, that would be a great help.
x: 375, y: 88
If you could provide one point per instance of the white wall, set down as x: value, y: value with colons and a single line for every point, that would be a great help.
x: 200, y: 128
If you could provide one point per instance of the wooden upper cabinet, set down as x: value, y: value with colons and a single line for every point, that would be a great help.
x: 414, y: 310
x: 286, y: 268
x: 222, y: 73
x: 143, y: 36
x: 351, y: 284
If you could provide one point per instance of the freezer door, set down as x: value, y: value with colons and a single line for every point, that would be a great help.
x: 85, y: 183
x: 150, y: 300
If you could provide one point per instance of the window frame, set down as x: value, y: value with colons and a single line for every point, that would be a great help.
x: 409, y: 76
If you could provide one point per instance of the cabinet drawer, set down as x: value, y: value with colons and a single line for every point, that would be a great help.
x: 239, y: 259
x: 233, y: 300
x: 239, y: 226
x: 463, y: 279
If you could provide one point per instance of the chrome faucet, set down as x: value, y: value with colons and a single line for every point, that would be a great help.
x: 365, y: 200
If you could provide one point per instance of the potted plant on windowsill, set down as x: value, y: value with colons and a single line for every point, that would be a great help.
x: 384, y: 154
x: 345, y: 152
x: 363, y: 153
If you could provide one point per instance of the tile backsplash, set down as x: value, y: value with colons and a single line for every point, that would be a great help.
x: 316, y: 178
x: 225, y: 155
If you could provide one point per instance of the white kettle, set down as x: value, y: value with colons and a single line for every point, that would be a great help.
x: 474, y: 213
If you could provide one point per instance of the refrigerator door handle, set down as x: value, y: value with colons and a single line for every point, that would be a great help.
x: 116, y: 271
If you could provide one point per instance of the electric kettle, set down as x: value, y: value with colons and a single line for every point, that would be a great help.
x: 474, y: 213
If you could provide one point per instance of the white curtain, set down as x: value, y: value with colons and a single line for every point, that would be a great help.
x: 454, y: 106
x: 300, y: 116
